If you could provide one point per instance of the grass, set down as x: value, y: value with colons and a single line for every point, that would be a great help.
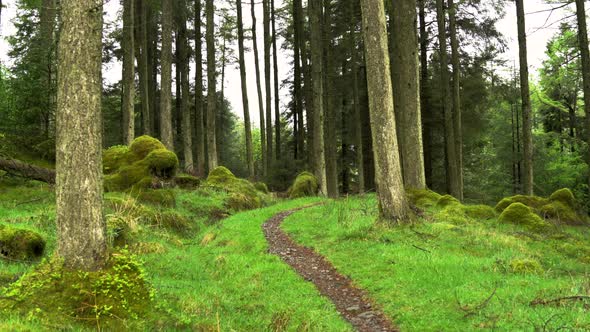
x: 452, y: 273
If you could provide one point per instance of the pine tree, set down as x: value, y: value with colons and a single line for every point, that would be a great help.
x: 128, y: 73
x: 211, y: 86
x: 166, y: 132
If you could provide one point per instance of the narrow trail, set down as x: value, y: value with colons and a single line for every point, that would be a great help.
x: 352, y: 303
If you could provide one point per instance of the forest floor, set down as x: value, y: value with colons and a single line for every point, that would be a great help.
x: 443, y: 273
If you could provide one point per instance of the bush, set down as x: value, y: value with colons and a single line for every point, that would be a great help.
x: 20, y: 244
x: 520, y: 214
x: 305, y: 185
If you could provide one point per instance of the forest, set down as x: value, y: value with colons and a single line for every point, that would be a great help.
x: 294, y: 165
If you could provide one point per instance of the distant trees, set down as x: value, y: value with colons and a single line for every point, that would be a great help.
x: 245, y: 104
x: 166, y: 77
x: 585, y: 54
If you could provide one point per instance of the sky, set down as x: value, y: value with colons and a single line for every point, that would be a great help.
x: 541, y: 26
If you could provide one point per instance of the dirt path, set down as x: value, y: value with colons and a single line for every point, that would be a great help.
x: 352, y: 302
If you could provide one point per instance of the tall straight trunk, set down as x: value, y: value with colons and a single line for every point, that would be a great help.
x: 456, y: 95
x: 128, y: 73
x: 583, y: 40
x: 452, y: 169
x: 276, y: 81
x: 316, y: 46
x: 166, y: 133
x: 426, y: 111
x: 527, y: 122
x: 143, y: 69
x: 81, y: 229
x: 177, y: 118
x: 330, y: 110
x: 211, y: 86
x: 406, y: 89
x: 393, y: 206
x: 199, y: 124
x: 358, y: 138
x: 48, y: 15
x: 187, y: 125
x: 297, y: 97
x: 223, y: 65
x: 153, y: 69
x: 259, y: 91
x: 307, y: 85
x: 268, y: 83
x: 245, y: 104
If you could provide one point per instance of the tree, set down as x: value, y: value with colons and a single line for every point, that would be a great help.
x: 406, y: 90
x: 199, y: 113
x: 585, y: 53
x: 264, y: 151
x: 297, y: 93
x: 393, y: 206
x: 276, y: 80
x: 128, y: 72
x: 425, y: 108
x: 211, y: 86
x: 456, y: 95
x: 318, y: 159
x: 330, y: 111
x: 183, y: 63
x: 166, y: 77
x: 81, y: 229
x: 358, y: 140
x: 527, y: 123
x: 247, y: 124
x: 142, y: 63
x: 267, y: 46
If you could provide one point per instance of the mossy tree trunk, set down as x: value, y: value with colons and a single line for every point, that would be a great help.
x: 406, y: 89
x: 527, y: 122
x: 199, y: 113
x: 393, y: 205
x: 183, y: 62
x: 267, y: 82
x: 330, y: 124
x: 81, y: 228
x: 128, y: 73
x: 166, y: 77
x: 456, y: 95
x: 318, y: 159
x: 259, y: 91
x: 585, y: 53
x: 211, y: 86
x: 245, y: 104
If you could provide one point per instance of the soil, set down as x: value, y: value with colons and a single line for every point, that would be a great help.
x: 351, y: 302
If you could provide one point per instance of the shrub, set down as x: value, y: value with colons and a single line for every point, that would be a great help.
x: 520, y: 214
x: 20, y: 244
x: 305, y: 185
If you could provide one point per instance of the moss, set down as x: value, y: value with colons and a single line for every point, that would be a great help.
x: 161, y: 197
x: 564, y: 196
x: 118, y: 230
x: 262, y: 187
x: 520, y: 214
x: 126, y: 177
x: 143, y: 145
x: 575, y: 250
x: 503, y: 204
x: 534, y: 202
x: 20, y: 244
x: 422, y: 198
x: 143, y: 184
x: 243, y: 194
x: 161, y: 163
x: 114, y: 158
x: 111, y: 298
x: 220, y: 175
x: 171, y: 220
x: 186, y: 181
x: 526, y: 266
x: 453, y: 213
x: 305, y: 185
x: 241, y: 202
x: 480, y: 212
x: 561, y: 212
x: 446, y: 200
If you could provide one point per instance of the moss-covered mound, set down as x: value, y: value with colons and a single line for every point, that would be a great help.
x: 526, y: 266
x: 446, y: 200
x: 262, y: 187
x: 480, y: 212
x: 305, y: 185
x: 520, y: 214
x: 423, y: 198
x: 162, y: 197
x: 20, y: 244
x: 112, y: 298
x: 186, y: 181
x: 534, y: 202
x: 564, y: 196
x: 243, y: 194
x: 136, y: 167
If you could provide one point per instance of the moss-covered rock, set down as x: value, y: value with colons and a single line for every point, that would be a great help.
x: 480, y: 212
x: 160, y: 197
x: 241, y: 202
x: 561, y: 212
x: 243, y: 194
x: 534, y: 202
x: 520, y: 214
x: 126, y: 177
x: 423, y: 198
x: 564, y: 196
x: 262, y: 187
x: 186, y: 181
x: 220, y: 176
x: 161, y: 163
x: 305, y: 185
x: 115, y: 157
x: 526, y: 266
x: 446, y: 200
x: 143, y: 145
x: 20, y: 244
x: 453, y: 214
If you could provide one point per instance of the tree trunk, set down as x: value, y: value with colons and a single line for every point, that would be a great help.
x: 211, y: 90
x: 166, y: 78
x: 393, y: 206
x: 358, y: 141
x: 276, y: 81
x: 527, y: 123
x: 452, y: 169
x: 47, y: 20
x: 152, y: 66
x: 27, y: 171
x: 183, y: 63
x: 268, y: 83
x: 247, y: 124
x: 330, y: 110
x: 199, y: 124
x: 259, y: 90
x: 456, y: 95
x: 426, y: 112
x: 298, y: 98
x: 307, y: 85
x: 583, y: 40
x: 81, y: 229
x: 143, y: 67
x: 406, y: 90
x: 319, y: 161
x: 128, y: 73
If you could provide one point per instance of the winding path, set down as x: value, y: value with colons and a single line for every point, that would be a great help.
x: 352, y: 303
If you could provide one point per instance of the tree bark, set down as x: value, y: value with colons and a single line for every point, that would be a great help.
x: 527, y: 123
x: 211, y: 87
x: 259, y: 90
x: 166, y: 77
x: 452, y: 169
x: 27, y: 171
x: 456, y: 95
x: 318, y: 160
x: 406, y: 90
x: 143, y: 67
x: 187, y: 124
x: 47, y: 20
x: 199, y: 124
x: 426, y: 112
x: 268, y: 83
x: 298, y: 98
x: 358, y: 139
x: 330, y: 110
x: 393, y: 206
x: 81, y: 229
x: 583, y: 40
x: 276, y: 81
x: 128, y: 73
x: 247, y: 124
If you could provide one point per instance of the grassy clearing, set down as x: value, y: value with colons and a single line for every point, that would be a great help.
x: 440, y: 274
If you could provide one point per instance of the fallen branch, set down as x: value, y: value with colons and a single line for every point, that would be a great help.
x: 560, y: 299
x: 472, y: 310
x: 24, y: 170
x: 425, y: 250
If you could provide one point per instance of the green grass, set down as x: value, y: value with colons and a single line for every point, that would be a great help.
x: 437, y: 274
